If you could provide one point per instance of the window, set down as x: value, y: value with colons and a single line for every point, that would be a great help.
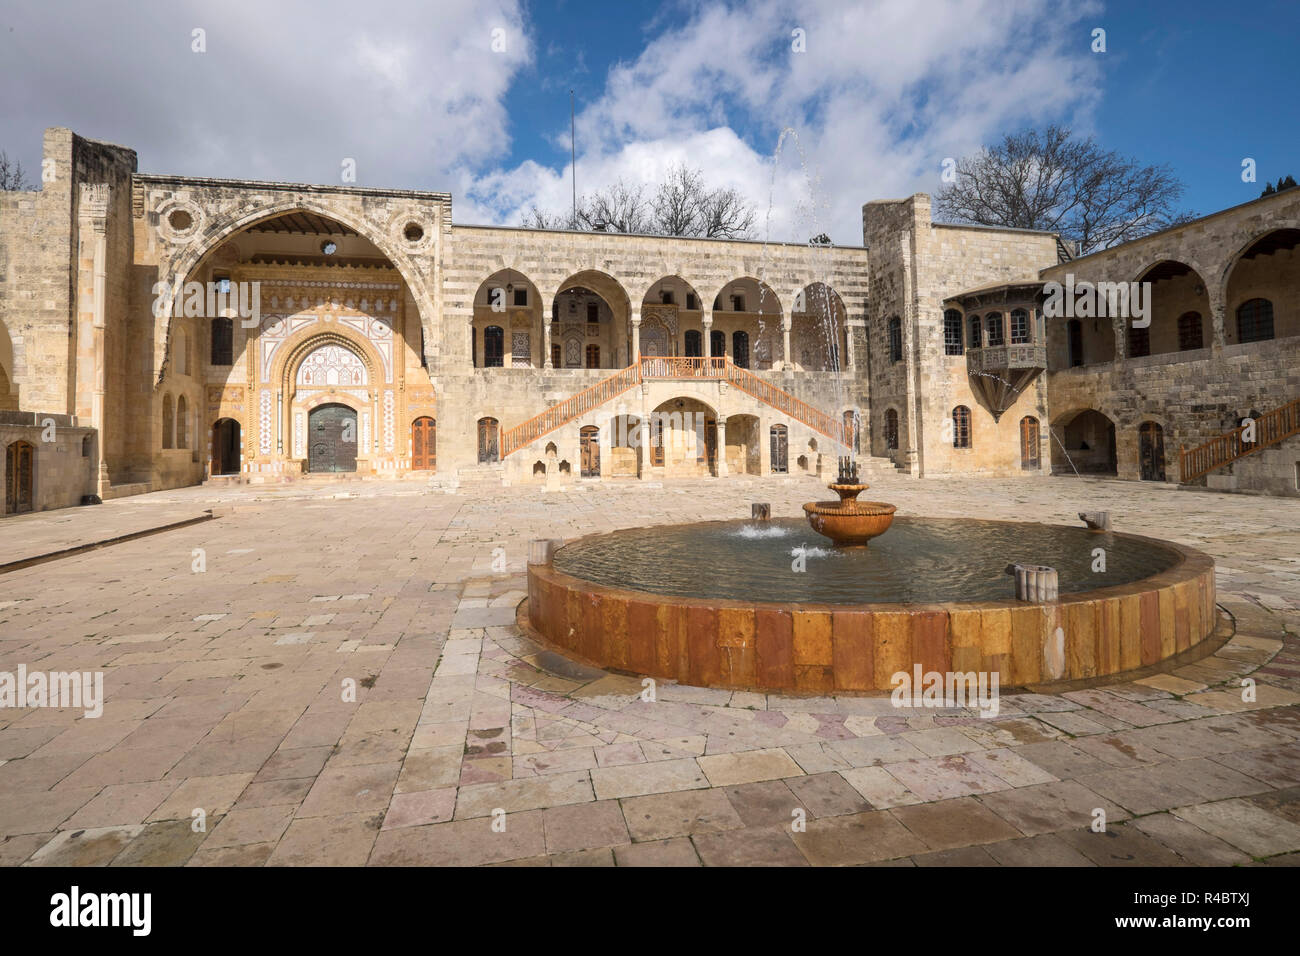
x: 961, y: 427
x: 694, y: 344
x: 593, y: 312
x: 666, y: 297
x: 974, y: 324
x: 895, y: 340
x: 497, y: 299
x: 740, y: 348
x: 473, y: 346
x: 1139, y: 342
x: 494, y: 347
x: 182, y: 421
x: 993, y: 329
x: 593, y: 356
x: 221, y: 348
x: 717, y: 344
x: 1019, y: 327
x: 737, y: 303
x: 691, y: 302
x: 1074, y: 335
x: 952, y: 344
x: 891, y: 429
x: 1255, y: 321
x: 521, y: 296
x: 1189, y: 331
x: 557, y: 357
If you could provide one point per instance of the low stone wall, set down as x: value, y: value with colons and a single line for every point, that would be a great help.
x: 823, y: 649
x: 62, y: 469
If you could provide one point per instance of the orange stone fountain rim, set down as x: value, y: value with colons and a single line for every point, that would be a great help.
x: 774, y: 646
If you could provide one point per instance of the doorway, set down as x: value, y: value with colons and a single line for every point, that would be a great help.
x: 424, y: 444
x: 589, y: 447
x: 333, y: 444
x: 225, y: 447
x: 1151, y: 451
x: 19, y: 484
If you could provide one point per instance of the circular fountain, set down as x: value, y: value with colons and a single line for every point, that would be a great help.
x: 849, y: 522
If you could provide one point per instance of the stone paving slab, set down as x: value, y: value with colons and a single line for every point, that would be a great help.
x: 345, y: 684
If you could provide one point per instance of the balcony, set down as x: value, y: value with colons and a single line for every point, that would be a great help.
x: 1000, y: 373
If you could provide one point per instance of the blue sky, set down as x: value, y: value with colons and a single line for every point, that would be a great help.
x: 416, y: 94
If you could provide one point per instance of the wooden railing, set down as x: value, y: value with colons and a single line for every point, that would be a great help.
x: 1270, y: 428
x: 681, y: 367
x: 783, y: 401
x: 512, y: 439
x: 672, y: 367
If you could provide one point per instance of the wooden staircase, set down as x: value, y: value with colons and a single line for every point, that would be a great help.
x: 1270, y: 429
x: 649, y: 368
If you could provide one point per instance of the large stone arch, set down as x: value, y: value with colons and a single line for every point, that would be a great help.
x: 177, y: 264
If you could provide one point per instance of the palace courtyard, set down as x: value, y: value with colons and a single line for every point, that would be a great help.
x: 228, y: 736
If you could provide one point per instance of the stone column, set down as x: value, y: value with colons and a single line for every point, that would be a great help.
x: 646, y: 433
x: 546, y: 337
x: 707, y: 322
x: 722, y: 447
x: 787, y: 363
x: 94, y: 215
x: 636, y: 337
x: 1218, y: 318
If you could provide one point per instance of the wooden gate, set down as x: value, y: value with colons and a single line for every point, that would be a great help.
x: 424, y: 444
x: 1029, y: 443
x: 333, y: 439
x: 1151, y: 451
x: 589, y: 444
x: 19, y: 484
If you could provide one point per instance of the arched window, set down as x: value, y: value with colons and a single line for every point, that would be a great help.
x: 494, y: 347
x: 961, y: 427
x: 974, y: 339
x: 891, y: 429
x: 993, y: 329
x: 1190, y: 335
x: 952, y: 344
x: 593, y: 356
x: 740, y: 348
x: 182, y: 419
x: 1019, y: 327
x: 221, y: 348
x: 169, y: 422
x: 1074, y: 342
x: 1255, y: 321
x: 895, y: 339
x: 780, y: 441
x: 717, y: 344
x: 1139, y: 341
x: 1029, y: 443
x: 694, y: 343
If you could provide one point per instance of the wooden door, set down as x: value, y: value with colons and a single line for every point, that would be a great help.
x: 424, y: 444
x: 780, y: 450
x: 1029, y: 444
x: 589, y: 442
x: 19, y: 484
x: 1151, y: 451
x: 488, y: 435
x: 332, y: 444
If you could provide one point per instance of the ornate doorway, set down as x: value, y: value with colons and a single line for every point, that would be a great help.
x: 332, y: 439
x: 225, y: 447
x: 488, y: 435
x: 19, y: 484
x: 1151, y: 451
x: 589, y: 446
x: 424, y: 444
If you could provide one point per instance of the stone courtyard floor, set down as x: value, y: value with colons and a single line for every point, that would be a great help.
x: 224, y: 694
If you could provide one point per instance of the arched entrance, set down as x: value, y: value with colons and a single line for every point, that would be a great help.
x: 589, y: 445
x: 1151, y: 451
x: 19, y: 478
x: 332, y: 439
x: 225, y: 447
x: 489, y: 433
x: 1029, y: 444
x: 424, y: 444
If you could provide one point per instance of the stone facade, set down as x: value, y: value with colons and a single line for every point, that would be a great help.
x: 428, y: 347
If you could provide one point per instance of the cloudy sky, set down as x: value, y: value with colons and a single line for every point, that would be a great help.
x: 472, y: 96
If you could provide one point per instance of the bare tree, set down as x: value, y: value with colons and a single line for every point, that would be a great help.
x: 12, y: 175
x: 681, y: 205
x: 1052, y: 181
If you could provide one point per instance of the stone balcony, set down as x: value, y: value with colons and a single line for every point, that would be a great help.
x: 1000, y: 373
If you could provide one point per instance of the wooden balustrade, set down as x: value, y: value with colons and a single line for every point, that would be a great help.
x: 1270, y: 428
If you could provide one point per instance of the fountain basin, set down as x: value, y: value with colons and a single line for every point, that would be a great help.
x: 729, y: 617
x: 851, y: 523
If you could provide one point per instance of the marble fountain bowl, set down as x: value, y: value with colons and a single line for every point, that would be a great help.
x: 773, y: 606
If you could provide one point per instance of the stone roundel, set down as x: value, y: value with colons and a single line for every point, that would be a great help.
x: 172, y: 213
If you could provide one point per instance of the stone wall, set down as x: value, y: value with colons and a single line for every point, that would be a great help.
x: 63, y: 462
